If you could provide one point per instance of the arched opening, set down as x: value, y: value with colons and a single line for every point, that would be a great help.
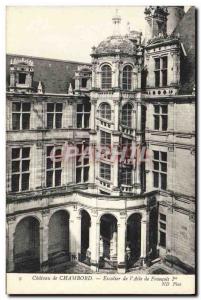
x: 85, y: 236
x: 127, y: 115
x: 58, y: 238
x: 105, y: 111
x: 108, y: 242
x: 133, y: 247
x: 106, y: 78
x: 127, y: 78
x: 153, y: 232
x: 27, y: 245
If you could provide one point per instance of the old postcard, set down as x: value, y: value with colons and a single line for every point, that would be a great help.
x: 101, y: 152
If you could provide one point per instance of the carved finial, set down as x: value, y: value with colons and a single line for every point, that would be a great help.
x: 70, y: 89
x: 116, y: 21
x: 40, y: 88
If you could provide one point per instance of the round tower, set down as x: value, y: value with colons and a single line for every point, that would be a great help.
x: 176, y: 13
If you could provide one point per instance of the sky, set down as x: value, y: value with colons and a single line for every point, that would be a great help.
x: 66, y: 33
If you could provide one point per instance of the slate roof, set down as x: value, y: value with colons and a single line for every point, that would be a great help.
x: 55, y: 75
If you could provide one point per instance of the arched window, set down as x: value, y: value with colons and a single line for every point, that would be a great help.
x: 127, y: 78
x: 105, y: 111
x: 127, y: 115
x: 106, y: 77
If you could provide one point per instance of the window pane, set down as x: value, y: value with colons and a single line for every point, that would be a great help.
x: 164, y: 62
x: 156, y: 109
x: 79, y: 107
x: 59, y: 107
x: 157, y: 78
x: 156, y: 165
x: 25, y: 121
x: 16, y: 121
x: 79, y: 120
x: 86, y: 161
x: 163, y: 226
x: 15, y: 153
x: 163, y: 217
x: 50, y: 121
x: 163, y: 181
x: 49, y: 178
x: 58, y: 163
x: 86, y: 174
x: 15, y: 183
x: 164, y: 123
x: 49, y: 163
x: 26, y: 106
x: 25, y: 152
x: 87, y: 106
x: 25, y: 165
x: 86, y: 121
x: 164, y: 77
x: 164, y: 156
x: 156, y: 177
x: 156, y: 155
x: 156, y: 122
x: 164, y: 167
x: 22, y: 78
x: 16, y: 106
x: 58, y: 120
x: 50, y: 107
x: 15, y: 166
x: 78, y: 175
x: 164, y: 109
x: 50, y: 151
x: 25, y: 182
x: 57, y: 177
x: 157, y: 63
x: 162, y: 239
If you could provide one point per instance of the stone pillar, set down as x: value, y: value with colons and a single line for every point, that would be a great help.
x: 93, y: 114
x: 144, y: 237
x: 44, y: 241
x: 94, y: 243
x: 75, y: 234
x: 92, y: 162
x: 10, y: 244
x: 121, y: 248
x: 116, y: 115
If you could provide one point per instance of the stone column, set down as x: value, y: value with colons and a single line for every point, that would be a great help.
x: 75, y: 234
x: 10, y: 244
x: 144, y: 237
x: 94, y: 243
x: 116, y: 115
x: 121, y: 248
x: 44, y: 241
x: 93, y: 114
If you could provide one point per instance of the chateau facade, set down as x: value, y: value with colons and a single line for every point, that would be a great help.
x: 101, y: 156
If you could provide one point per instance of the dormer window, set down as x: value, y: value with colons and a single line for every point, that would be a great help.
x: 84, y: 82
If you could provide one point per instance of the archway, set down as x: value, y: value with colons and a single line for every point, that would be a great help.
x: 27, y: 245
x: 133, y: 247
x: 108, y: 241
x: 85, y: 235
x: 58, y: 238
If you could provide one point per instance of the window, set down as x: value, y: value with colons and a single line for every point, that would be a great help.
x: 127, y: 78
x: 162, y: 230
x: 53, y: 166
x: 106, y: 78
x: 126, y: 175
x: 105, y: 138
x: 126, y: 151
x: 127, y: 115
x: 82, y: 163
x: 161, y: 117
x: 105, y: 111
x: 160, y: 170
x: 54, y: 115
x: 105, y: 171
x: 84, y: 82
x: 161, y: 71
x: 83, y: 114
x: 20, y: 169
x: 21, y: 115
x: 22, y: 78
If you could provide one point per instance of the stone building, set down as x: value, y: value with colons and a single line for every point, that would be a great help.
x: 101, y: 156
